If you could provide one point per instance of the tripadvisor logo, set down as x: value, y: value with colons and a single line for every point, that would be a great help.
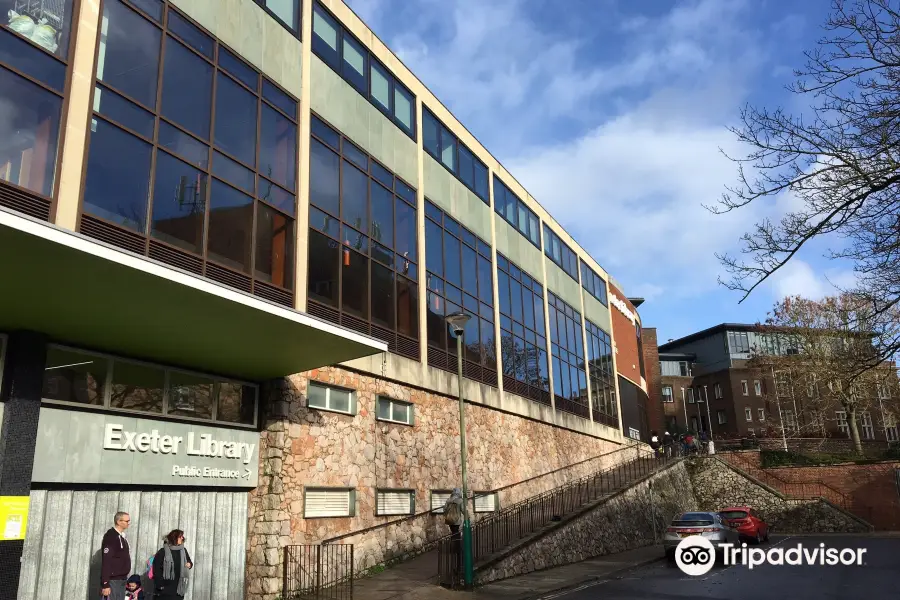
x: 696, y: 555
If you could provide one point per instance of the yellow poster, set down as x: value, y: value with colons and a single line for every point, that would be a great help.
x: 13, y: 517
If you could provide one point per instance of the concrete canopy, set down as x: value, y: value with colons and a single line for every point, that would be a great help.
x: 87, y: 294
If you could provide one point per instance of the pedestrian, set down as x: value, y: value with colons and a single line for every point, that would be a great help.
x: 133, y: 588
x: 170, y: 568
x: 654, y: 443
x: 453, y: 511
x: 116, y: 558
x: 667, y: 443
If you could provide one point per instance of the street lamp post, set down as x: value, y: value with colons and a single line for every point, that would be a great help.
x: 458, y: 322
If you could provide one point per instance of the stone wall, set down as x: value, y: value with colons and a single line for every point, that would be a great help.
x: 623, y: 522
x: 308, y: 447
x: 718, y: 485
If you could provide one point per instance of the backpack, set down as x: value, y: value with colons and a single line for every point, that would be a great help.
x: 149, y: 571
x: 453, y: 514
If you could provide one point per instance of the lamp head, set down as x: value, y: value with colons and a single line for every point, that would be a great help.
x: 457, y: 321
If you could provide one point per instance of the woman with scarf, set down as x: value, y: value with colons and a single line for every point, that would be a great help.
x: 170, y: 568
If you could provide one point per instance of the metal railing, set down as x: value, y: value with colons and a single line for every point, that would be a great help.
x: 801, y: 490
x: 318, y: 572
x: 522, y: 519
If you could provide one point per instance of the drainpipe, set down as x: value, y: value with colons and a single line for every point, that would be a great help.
x: 684, y: 406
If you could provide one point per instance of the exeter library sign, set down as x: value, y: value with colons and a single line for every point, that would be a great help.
x: 84, y: 447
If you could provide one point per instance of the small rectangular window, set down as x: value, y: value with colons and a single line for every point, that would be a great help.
x: 717, y: 390
x: 485, y: 502
x: 438, y: 499
x: 395, y: 502
x: 324, y: 502
x: 395, y: 411
x: 326, y: 34
x: 667, y: 394
x: 381, y: 86
x: 745, y: 390
x: 757, y: 387
x: 722, y: 418
x: 330, y: 398
x: 403, y: 107
x: 748, y: 413
x: 761, y: 414
x: 448, y: 149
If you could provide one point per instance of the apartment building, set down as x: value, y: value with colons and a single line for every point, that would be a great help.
x: 233, y: 232
x: 708, y: 384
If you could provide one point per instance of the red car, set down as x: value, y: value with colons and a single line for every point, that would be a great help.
x: 747, y: 522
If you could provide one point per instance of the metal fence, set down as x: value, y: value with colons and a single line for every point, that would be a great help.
x: 519, y: 520
x: 318, y: 572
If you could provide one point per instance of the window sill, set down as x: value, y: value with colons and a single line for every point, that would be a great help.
x: 392, y: 421
x: 331, y: 410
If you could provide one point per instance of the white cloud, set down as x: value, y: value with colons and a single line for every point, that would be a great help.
x: 799, y: 278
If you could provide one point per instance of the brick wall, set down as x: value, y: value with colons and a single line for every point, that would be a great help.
x: 870, y: 491
x: 655, y: 417
x: 625, y: 338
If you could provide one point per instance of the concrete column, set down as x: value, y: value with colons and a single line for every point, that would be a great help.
x: 78, y: 114
x: 301, y: 249
x: 23, y: 376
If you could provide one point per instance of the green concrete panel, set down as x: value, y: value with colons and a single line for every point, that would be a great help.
x: 337, y: 102
x: 445, y: 190
x: 595, y: 312
x: 516, y: 248
x: 248, y: 30
x: 559, y: 282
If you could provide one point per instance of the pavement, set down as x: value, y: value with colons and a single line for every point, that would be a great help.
x: 413, y: 580
x: 875, y: 579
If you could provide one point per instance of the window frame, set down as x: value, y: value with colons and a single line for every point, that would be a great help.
x: 761, y: 415
x: 495, y: 501
x: 842, y: 421
x: 721, y: 417
x: 757, y: 387
x: 163, y: 415
x: 351, y: 500
x: 409, y: 492
x: 393, y: 401
x: 588, y: 273
x: 408, y: 275
x: 748, y: 414
x: 297, y: 30
x: 670, y: 395
x: 691, y: 399
x: 369, y: 58
x: 62, y: 94
x: 248, y: 280
x: 500, y: 207
x: 566, y: 253
x: 745, y: 387
x: 352, y: 408
x: 717, y: 390
x: 455, y: 170
x: 559, y: 309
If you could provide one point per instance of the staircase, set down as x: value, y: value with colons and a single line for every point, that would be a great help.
x: 516, y: 523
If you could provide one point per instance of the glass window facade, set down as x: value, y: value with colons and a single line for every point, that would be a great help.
x: 349, y: 58
x: 106, y: 382
x: 523, y: 332
x: 569, y: 376
x: 453, y: 154
x: 593, y: 283
x: 286, y: 11
x: 459, y: 270
x: 362, y: 242
x: 209, y: 172
x: 514, y: 211
x: 34, y: 52
x: 557, y: 251
x: 602, y: 376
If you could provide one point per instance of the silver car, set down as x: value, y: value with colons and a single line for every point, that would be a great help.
x: 710, y: 525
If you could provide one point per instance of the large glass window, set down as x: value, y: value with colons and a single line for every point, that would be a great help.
x: 362, y: 244
x: 514, y: 211
x: 569, y: 375
x: 523, y: 338
x: 459, y: 278
x: 454, y: 155
x: 557, y: 251
x: 600, y: 367
x: 347, y: 56
x: 34, y: 48
x: 209, y: 177
x: 87, y: 378
x: 593, y: 283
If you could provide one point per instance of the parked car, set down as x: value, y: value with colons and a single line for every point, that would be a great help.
x: 747, y: 522
x: 710, y: 525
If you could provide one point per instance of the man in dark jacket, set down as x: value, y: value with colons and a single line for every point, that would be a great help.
x: 116, y: 558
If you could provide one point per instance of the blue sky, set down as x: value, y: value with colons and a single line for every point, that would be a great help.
x: 612, y: 114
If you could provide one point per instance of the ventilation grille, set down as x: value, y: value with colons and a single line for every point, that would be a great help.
x: 385, y: 335
x: 514, y: 386
x: 354, y: 323
x: 489, y: 377
x: 273, y: 294
x: 112, y: 234
x: 24, y: 202
x: 408, y: 347
x: 176, y: 258
x: 323, y: 312
x: 439, y: 359
x: 575, y: 408
x: 471, y: 370
x: 228, y: 277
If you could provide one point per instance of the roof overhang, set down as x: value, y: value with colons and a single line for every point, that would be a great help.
x: 86, y: 293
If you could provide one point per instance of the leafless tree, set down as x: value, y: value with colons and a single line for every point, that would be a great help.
x: 840, y: 161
